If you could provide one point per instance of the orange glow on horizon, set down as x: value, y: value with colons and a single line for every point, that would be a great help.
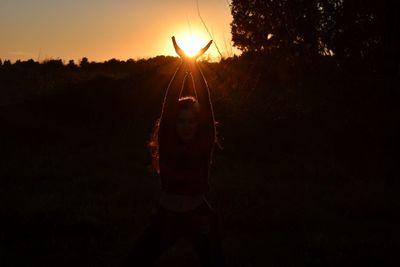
x: 120, y: 29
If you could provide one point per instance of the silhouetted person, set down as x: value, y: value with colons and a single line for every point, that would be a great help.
x: 182, y: 146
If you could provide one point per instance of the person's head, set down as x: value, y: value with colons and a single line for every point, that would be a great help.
x: 187, y: 120
x: 186, y: 126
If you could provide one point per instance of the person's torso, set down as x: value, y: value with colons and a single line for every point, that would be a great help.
x: 184, y: 169
x: 181, y: 203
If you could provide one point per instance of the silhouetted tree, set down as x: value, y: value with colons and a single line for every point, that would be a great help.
x: 288, y: 27
x: 71, y: 65
x: 84, y: 62
x: 26, y: 65
x: 53, y: 65
x: 366, y: 30
x: 7, y: 63
x: 349, y: 27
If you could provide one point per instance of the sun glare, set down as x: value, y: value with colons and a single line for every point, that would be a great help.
x: 191, y: 44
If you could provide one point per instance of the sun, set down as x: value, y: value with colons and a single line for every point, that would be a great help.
x: 191, y: 44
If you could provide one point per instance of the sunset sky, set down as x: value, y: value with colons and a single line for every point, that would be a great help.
x: 105, y: 29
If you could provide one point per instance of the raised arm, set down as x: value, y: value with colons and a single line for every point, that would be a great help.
x: 174, y: 88
x: 170, y: 106
x: 203, y: 96
x: 172, y: 94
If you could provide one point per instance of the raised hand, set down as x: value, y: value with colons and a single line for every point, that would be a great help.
x: 178, y: 50
x: 203, y: 50
x: 185, y: 57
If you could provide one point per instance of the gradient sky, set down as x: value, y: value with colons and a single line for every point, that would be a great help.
x: 105, y: 29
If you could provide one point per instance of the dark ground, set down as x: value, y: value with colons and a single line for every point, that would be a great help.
x: 306, y: 175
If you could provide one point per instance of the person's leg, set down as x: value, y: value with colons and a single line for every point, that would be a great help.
x: 156, y: 238
x: 206, y: 237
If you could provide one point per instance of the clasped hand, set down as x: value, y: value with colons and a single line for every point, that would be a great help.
x: 187, y: 58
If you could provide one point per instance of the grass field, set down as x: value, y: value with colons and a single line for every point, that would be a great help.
x: 305, y: 177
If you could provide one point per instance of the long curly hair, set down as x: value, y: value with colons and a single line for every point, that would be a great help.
x: 184, y: 103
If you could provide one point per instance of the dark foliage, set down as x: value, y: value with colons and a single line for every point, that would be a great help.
x: 306, y: 177
x: 366, y: 31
